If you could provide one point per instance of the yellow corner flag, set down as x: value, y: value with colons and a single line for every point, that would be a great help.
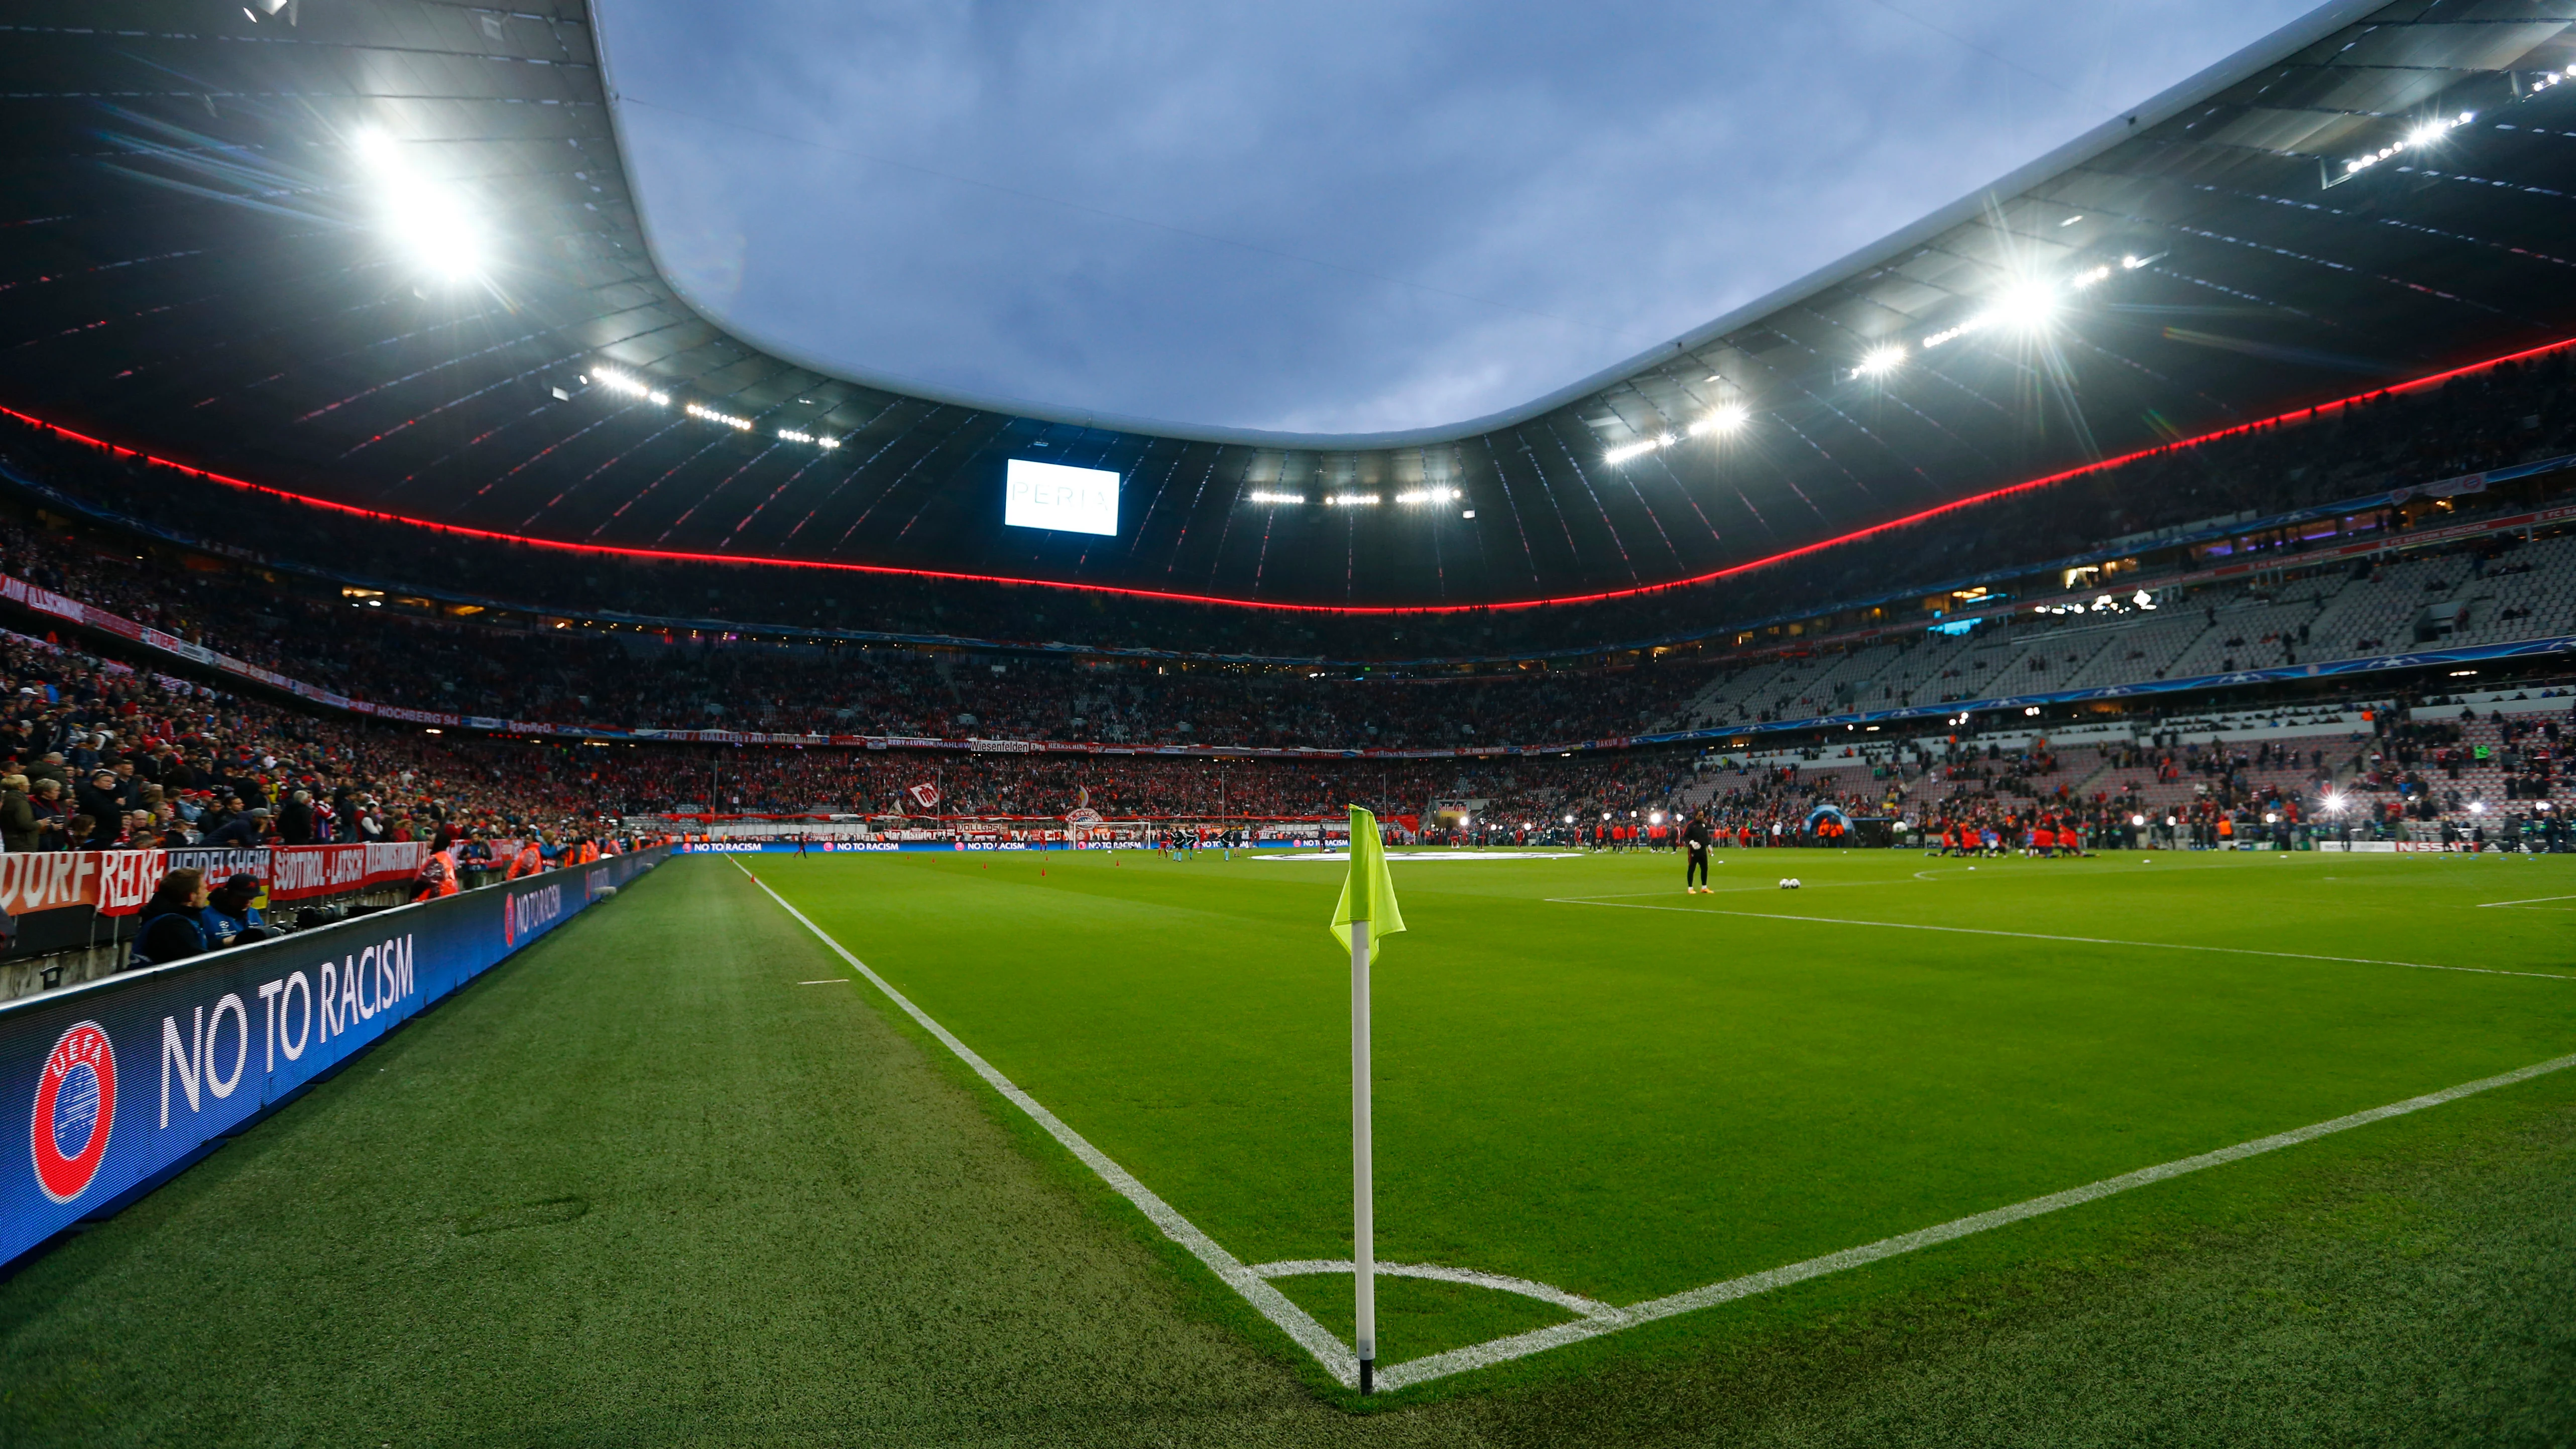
x: 1368, y: 893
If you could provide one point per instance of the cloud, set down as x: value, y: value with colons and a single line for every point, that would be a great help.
x: 1331, y: 216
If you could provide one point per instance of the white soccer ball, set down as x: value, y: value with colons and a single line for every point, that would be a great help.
x: 1788, y: 882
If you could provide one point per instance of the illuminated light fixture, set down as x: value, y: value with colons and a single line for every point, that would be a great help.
x: 1725, y: 420
x: 1258, y: 496
x: 2082, y: 280
x: 1430, y: 495
x: 2462, y: 673
x: 2426, y: 134
x: 1880, y: 361
x: 827, y: 444
x: 2028, y: 305
x: 424, y: 217
x: 2031, y: 710
x: 632, y: 387
x: 790, y: 435
x: 1352, y: 500
x: 2142, y: 599
x: 711, y: 415
x: 1638, y: 449
x: 2070, y: 221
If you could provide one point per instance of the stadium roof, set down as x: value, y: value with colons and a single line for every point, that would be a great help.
x: 235, y: 239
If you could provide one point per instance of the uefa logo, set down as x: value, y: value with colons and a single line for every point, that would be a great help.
x: 75, y: 1109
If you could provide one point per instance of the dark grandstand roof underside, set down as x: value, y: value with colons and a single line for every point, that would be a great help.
x: 186, y: 265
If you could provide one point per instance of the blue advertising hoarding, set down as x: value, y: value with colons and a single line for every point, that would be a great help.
x: 129, y: 1077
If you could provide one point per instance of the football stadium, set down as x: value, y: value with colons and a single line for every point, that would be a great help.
x: 1016, y: 728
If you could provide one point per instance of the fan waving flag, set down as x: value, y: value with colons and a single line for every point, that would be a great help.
x: 1368, y: 893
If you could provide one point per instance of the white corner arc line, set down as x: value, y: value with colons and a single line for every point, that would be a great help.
x: 1502, y: 1350
x: 1472, y: 1277
x: 1300, y: 1326
x: 2044, y: 936
x: 1337, y: 1358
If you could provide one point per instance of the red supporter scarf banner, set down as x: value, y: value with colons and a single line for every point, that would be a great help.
x: 118, y: 882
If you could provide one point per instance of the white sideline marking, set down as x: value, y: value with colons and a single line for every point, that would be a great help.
x: 2043, y: 936
x: 1599, y: 1318
x: 1473, y: 1278
x: 1521, y: 1345
x: 1337, y: 1358
x: 2535, y: 900
x: 834, y: 981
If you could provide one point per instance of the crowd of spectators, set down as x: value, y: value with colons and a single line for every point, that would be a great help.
x: 95, y: 755
x: 100, y: 755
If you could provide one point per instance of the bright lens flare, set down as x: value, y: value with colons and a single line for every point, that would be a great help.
x: 423, y: 216
x: 1880, y: 361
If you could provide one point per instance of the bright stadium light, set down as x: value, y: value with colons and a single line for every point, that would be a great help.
x: 1725, y: 420
x: 1880, y: 361
x: 632, y: 387
x: 1626, y: 451
x: 1430, y: 495
x: 2028, y: 305
x: 1569, y: 820
x: 2428, y: 133
x: 708, y: 414
x: 1259, y: 495
x: 423, y: 216
x: 2477, y: 807
x: 1352, y: 500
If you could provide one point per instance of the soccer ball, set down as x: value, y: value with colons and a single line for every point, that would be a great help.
x: 1788, y: 882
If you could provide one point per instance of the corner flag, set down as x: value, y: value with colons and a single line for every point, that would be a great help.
x: 1368, y: 893
x: 1367, y: 911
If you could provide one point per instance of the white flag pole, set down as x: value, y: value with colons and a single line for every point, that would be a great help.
x: 1363, y: 1188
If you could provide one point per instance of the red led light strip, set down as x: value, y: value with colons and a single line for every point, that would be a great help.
x: 1175, y: 596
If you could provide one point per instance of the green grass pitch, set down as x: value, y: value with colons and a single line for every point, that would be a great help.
x: 643, y: 1185
x: 1589, y: 1080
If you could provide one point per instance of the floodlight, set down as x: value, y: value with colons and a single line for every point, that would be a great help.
x: 1655, y: 819
x: 2271, y: 819
x: 2137, y: 820
x: 1569, y: 820
x: 2477, y: 807
x: 1880, y: 361
x: 1725, y: 420
x: 2027, y: 305
x: 425, y: 218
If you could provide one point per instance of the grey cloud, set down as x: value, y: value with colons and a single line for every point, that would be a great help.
x: 1444, y: 208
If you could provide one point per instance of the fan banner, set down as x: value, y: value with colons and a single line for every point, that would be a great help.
x: 118, y: 882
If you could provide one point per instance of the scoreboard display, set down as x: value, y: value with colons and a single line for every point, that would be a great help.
x: 1065, y: 499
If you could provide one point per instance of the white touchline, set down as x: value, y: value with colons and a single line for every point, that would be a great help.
x: 2043, y: 936
x: 1597, y: 1318
x: 1336, y: 1356
x: 2535, y: 900
x: 1521, y: 1345
x: 834, y: 981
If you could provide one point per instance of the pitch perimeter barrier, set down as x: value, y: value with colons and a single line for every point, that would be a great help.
x: 945, y: 847
x: 128, y: 1079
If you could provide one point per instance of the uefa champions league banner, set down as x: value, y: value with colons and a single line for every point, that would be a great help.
x: 128, y: 1077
